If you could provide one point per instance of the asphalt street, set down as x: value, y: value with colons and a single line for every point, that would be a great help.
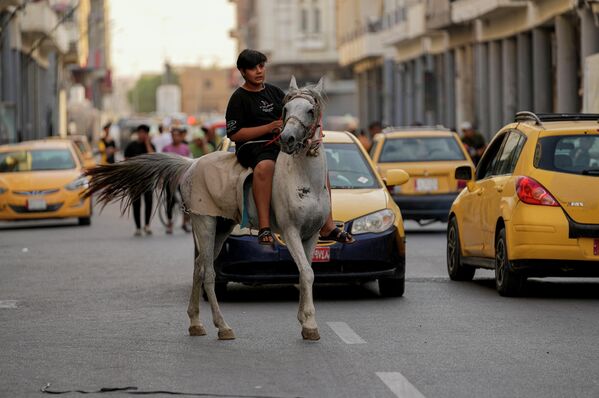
x: 84, y: 308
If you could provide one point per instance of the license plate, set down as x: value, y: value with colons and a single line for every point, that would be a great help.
x: 36, y: 204
x: 426, y: 184
x: 321, y: 255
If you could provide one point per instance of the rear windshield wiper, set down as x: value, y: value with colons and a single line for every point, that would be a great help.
x: 593, y: 172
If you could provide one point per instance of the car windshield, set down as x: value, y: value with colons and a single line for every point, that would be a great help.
x: 575, y: 154
x: 36, y: 160
x: 348, y: 169
x: 420, y: 149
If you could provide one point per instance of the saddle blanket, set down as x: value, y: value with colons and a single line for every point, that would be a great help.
x: 214, y: 185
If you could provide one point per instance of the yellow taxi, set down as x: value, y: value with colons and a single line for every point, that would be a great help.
x: 430, y: 156
x: 83, y: 145
x: 361, y: 205
x: 43, y: 179
x: 531, y: 209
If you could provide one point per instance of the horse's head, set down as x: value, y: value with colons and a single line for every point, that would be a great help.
x: 302, y: 111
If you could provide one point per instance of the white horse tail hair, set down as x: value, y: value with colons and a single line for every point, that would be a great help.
x: 125, y: 181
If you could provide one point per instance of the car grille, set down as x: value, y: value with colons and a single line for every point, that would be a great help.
x: 36, y: 193
x: 24, y: 209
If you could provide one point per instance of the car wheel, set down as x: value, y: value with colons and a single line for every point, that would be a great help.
x: 220, y: 289
x: 508, y: 282
x: 85, y: 220
x: 456, y: 270
x: 392, y: 287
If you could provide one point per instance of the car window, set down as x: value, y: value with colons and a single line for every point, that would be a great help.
x: 36, y: 160
x: 510, y: 153
x: 490, y: 157
x: 421, y: 149
x: 574, y: 154
x: 348, y: 168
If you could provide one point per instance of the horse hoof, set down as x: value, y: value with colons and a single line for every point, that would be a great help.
x: 226, y: 334
x: 310, y: 334
x: 197, y: 331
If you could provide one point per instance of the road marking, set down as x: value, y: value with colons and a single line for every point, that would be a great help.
x: 346, y: 333
x: 8, y: 304
x: 399, y: 385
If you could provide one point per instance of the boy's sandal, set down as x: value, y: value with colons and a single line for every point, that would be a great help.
x: 339, y: 235
x: 265, y: 237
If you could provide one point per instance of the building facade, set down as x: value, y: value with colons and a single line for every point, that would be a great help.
x: 298, y: 37
x: 446, y: 62
x: 205, y: 91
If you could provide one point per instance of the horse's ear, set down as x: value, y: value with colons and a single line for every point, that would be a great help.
x: 293, y: 84
x: 320, y: 86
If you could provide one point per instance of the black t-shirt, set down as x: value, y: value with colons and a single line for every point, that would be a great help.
x: 136, y: 148
x: 254, y: 108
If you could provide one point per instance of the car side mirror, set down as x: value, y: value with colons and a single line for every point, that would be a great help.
x: 396, y: 177
x: 464, y: 173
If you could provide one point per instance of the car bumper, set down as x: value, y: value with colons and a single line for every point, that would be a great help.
x: 64, y: 205
x: 543, y: 233
x: 372, y: 256
x: 425, y: 207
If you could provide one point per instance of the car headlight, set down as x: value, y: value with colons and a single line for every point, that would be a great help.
x: 80, y: 182
x: 373, y: 223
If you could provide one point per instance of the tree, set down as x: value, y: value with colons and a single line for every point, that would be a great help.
x: 142, y: 96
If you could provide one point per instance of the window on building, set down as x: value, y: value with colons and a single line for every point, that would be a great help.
x: 304, y: 20
x: 316, y: 19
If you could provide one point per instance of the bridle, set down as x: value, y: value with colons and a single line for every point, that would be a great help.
x: 309, y: 129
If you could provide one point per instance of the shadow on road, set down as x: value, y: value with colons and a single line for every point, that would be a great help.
x: 285, y: 293
x: 553, y: 288
x: 24, y: 225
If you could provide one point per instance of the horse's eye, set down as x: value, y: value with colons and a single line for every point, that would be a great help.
x: 311, y: 112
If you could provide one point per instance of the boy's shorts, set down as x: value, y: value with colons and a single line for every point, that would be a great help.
x: 250, y: 154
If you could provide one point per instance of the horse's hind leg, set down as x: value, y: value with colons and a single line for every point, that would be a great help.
x: 212, y: 242
x: 301, y: 253
x: 202, y: 229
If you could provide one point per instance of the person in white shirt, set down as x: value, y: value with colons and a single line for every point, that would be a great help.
x: 163, y: 139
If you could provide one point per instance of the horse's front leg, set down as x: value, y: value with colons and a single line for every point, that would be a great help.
x: 302, y: 255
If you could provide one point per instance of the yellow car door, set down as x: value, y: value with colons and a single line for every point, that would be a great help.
x: 476, y: 200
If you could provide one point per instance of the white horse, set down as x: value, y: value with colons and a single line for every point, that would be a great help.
x: 299, y: 207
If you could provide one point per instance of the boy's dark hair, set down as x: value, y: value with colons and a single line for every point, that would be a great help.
x: 248, y: 59
x: 143, y: 127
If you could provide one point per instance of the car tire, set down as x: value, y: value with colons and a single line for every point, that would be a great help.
x: 507, y: 281
x: 220, y: 289
x: 455, y: 268
x: 392, y: 287
x: 85, y: 220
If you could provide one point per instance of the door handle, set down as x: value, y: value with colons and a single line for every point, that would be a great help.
x: 499, y: 189
x: 480, y: 191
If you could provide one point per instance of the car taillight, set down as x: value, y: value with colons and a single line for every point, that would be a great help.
x: 462, y: 184
x: 531, y: 192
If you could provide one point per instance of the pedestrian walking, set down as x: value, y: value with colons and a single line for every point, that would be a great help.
x: 135, y: 148
x: 179, y: 147
x: 199, y: 146
x: 162, y: 139
x: 107, y: 146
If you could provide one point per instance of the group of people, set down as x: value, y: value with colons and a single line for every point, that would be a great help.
x: 171, y: 140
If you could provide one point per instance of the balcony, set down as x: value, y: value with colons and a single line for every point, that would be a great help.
x: 469, y: 10
x: 38, y: 20
x: 438, y: 14
x: 361, y: 46
x: 409, y: 24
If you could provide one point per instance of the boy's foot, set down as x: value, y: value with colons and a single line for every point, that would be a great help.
x: 338, y: 235
x: 137, y: 232
x: 147, y: 230
x: 265, y: 237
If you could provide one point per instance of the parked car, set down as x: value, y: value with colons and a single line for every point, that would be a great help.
x: 531, y: 209
x: 361, y: 205
x: 429, y: 155
x: 43, y: 179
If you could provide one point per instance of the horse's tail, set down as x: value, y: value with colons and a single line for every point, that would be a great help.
x: 128, y: 180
